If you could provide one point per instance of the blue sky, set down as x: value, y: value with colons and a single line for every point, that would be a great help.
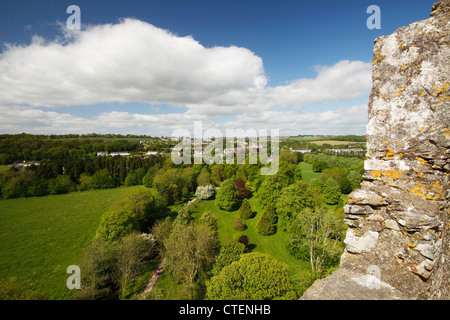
x: 151, y: 67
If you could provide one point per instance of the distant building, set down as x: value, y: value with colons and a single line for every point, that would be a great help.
x: 24, y: 164
x: 345, y: 150
x: 303, y: 150
x: 119, y: 153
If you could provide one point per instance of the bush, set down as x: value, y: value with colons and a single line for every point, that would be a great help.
x: 238, y: 225
x: 243, y: 239
x: 266, y: 224
x: 245, y: 211
x: 204, y: 192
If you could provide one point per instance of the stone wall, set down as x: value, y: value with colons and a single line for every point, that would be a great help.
x: 397, y: 243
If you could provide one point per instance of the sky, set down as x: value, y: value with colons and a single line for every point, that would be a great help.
x: 152, y: 67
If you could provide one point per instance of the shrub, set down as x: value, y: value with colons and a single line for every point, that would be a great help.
x: 266, y: 224
x: 238, y: 225
x: 245, y: 211
x: 243, y: 239
x: 204, y: 192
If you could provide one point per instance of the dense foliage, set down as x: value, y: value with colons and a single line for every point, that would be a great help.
x: 255, y: 276
x: 227, y: 196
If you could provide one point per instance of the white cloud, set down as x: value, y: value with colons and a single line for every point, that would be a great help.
x: 129, y: 61
x: 344, y: 80
x: 338, y: 121
x: 134, y: 61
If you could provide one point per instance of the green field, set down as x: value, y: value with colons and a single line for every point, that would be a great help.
x: 335, y: 142
x: 41, y: 236
x: 307, y: 172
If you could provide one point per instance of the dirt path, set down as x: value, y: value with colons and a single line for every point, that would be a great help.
x: 154, y: 278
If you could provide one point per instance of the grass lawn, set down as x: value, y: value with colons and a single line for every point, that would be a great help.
x: 41, y: 236
x: 307, y: 172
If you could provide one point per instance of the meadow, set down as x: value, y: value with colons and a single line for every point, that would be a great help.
x: 334, y: 142
x: 42, y: 236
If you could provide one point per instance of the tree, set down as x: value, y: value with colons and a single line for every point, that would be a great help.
x: 310, y: 236
x: 204, y: 192
x: 161, y: 231
x: 183, y: 218
x: 116, y: 224
x: 271, y: 187
x: 217, y: 172
x: 245, y: 211
x: 85, y: 181
x: 133, y: 250
x: 242, y: 188
x: 190, y: 251
x: 331, y: 191
x: 204, y: 178
x: 131, y: 179
x: 102, y: 180
x: 231, y: 251
x: 345, y: 186
x: 293, y: 199
x: 266, y: 224
x: 227, y: 196
x: 174, y: 194
x: 61, y: 184
x: 319, y: 166
x: 255, y: 276
x: 209, y: 219
x: 355, y: 179
x: 98, y: 265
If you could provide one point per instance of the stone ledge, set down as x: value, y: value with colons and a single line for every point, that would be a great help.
x: 345, y: 284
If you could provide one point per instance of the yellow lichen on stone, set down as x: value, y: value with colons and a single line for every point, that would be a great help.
x: 421, y: 160
x: 389, y: 154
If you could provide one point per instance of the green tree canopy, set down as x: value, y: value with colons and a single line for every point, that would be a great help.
x: 227, y: 196
x: 245, y: 211
x: 255, y: 276
x: 231, y: 251
x: 331, y: 191
x: 311, y: 235
x: 271, y: 187
x: 293, y: 199
x: 266, y: 224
